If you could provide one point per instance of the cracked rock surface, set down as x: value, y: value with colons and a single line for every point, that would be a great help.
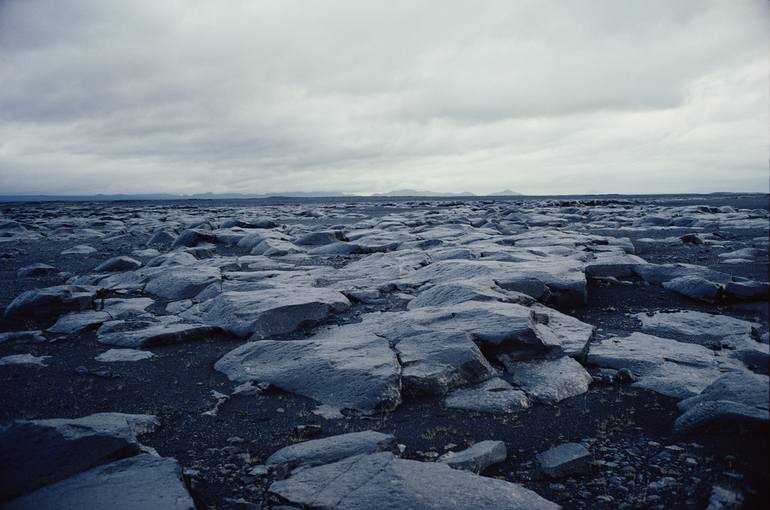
x: 385, y: 353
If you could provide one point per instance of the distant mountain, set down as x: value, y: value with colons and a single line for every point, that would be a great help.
x: 506, y: 193
x: 420, y: 193
x: 166, y: 196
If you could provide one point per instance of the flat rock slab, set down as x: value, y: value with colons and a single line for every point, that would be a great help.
x: 328, y: 450
x: 267, y: 312
x: 80, y: 249
x: 495, y: 396
x: 676, y: 369
x: 50, y: 302
x: 144, y: 481
x: 24, y: 359
x: 548, y: 381
x: 432, y: 363
x: 158, y: 334
x: 35, y: 270
x: 565, y: 460
x: 357, y: 373
x: 694, y: 324
x: 736, y: 398
x: 180, y: 282
x: 121, y: 263
x: 76, y: 322
x: 39, y: 452
x: 382, y: 480
x: 114, y: 355
x: 477, y: 457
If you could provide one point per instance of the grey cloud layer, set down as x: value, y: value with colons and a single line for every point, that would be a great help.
x: 571, y: 97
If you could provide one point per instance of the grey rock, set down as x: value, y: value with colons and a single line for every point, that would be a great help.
x: 121, y: 263
x: 114, y: 355
x: 565, y: 460
x: 271, y: 311
x: 548, y: 381
x: 76, y: 322
x: 180, y: 282
x: 725, y: 499
x: 328, y: 450
x: 477, y: 457
x: 24, y: 359
x: 194, y: 237
x: 695, y: 287
x: 36, y: 453
x: 384, y: 481
x: 434, y: 362
x: 747, y: 290
x: 22, y: 336
x: 494, y: 397
x: 143, y: 481
x: 320, y: 238
x: 50, y: 302
x: 676, y: 369
x: 157, y: 334
x: 35, y: 270
x: 735, y: 398
x: 357, y: 373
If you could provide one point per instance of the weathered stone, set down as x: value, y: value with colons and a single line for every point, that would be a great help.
x: 695, y: 287
x: 432, y: 363
x: 494, y: 396
x: 76, y: 322
x: 50, y: 302
x: 328, y: 450
x: 143, y: 481
x: 548, y: 381
x: 114, y: 355
x: 22, y: 336
x: 477, y: 457
x: 35, y: 270
x: 735, y: 398
x: 36, y: 453
x: 268, y: 312
x: 24, y: 359
x: 121, y: 263
x: 157, y: 334
x: 357, y: 373
x: 565, y: 460
x: 371, y: 481
x: 672, y: 368
x: 180, y: 282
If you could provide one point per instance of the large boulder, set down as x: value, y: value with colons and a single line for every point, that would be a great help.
x: 549, y: 380
x: 51, y: 302
x: 676, y: 369
x: 40, y: 452
x: 271, y: 311
x: 494, y: 396
x: 147, y: 334
x: 328, y: 450
x: 144, y: 481
x: 180, y: 282
x: 357, y: 373
x: 381, y: 480
x: 434, y: 362
x: 735, y: 399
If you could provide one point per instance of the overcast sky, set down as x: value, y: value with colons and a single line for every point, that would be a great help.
x: 354, y: 96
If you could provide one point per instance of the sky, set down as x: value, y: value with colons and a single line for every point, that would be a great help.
x: 540, y: 96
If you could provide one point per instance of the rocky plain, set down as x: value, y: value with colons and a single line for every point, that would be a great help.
x: 514, y: 353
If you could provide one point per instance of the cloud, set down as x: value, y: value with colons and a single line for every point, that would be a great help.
x: 365, y: 97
